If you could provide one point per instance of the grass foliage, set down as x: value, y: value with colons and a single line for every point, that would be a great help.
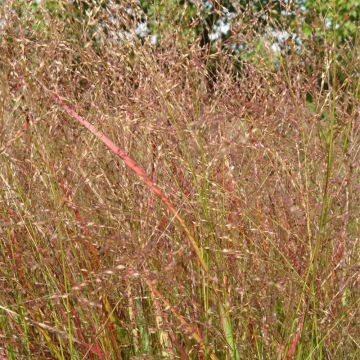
x: 222, y: 224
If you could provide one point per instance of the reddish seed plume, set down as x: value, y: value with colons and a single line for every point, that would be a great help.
x: 132, y: 165
x: 292, y: 351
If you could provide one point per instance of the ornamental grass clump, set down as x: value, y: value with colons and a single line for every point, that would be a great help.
x: 224, y: 221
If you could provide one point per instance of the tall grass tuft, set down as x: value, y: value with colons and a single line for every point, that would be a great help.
x: 249, y: 248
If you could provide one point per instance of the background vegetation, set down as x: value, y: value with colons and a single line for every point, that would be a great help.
x: 226, y: 224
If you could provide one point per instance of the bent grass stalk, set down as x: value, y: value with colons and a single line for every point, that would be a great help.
x: 139, y: 171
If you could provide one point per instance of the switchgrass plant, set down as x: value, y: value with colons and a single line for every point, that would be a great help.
x: 223, y: 223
